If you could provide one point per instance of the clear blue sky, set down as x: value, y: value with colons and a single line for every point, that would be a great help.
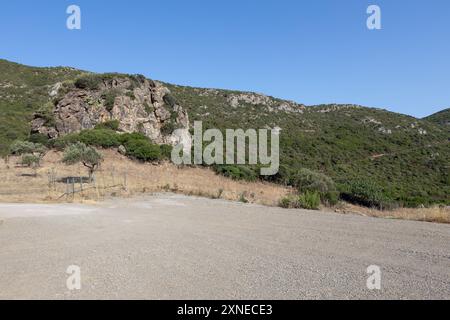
x: 315, y: 51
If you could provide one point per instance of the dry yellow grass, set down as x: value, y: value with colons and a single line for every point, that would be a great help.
x: 130, y: 178
x: 17, y: 186
x: 433, y: 214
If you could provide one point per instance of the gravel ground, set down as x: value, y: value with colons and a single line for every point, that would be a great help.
x: 175, y: 247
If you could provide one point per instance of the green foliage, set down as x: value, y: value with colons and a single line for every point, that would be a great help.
x: 88, y: 156
x: 168, y: 128
x: 170, y: 100
x: 26, y: 147
x: 346, y: 143
x: 31, y: 153
x: 108, y: 125
x: 366, y: 193
x: 309, y: 200
x: 343, y: 142
x: 131, y: 95
x: 39, y: 138
x: 236, y: 172
x: 104, y: 138
x: 149, y: 109
x: 289, y: 202
x: 308, y: 180
x: 143, y: 150
x: 109, y: 98
x: 441, y: 118
x: 137, y: 145
x: 166, y: 151
x: 30, y: 160
x: 90, y: 82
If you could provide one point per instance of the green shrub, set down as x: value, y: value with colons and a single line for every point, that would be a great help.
x: 149, y: 109
x: 90, y: 82
x: 48, y: 116
x: 309, y: 200
x: 168, y: 128
x: 103, y: 138
x: 26, y: 147
x: 131, y: 95
x: 128, y: 137
x: 170, y: 100
x: 109, y: 98
x: 30, y: 160
x: 143, y: 150
x: 166, y: 151
x: 365, y: 193
x: 40, y: 138
x: 111, y: 125
x: 236, y: 172
x: 289, y: 202
x: 81, y: 153
x: 308, y: 180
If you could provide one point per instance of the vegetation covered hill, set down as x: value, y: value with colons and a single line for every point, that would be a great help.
x: 23, y: 91
x: 395, y: 158
x: 407, y: 158
x: 442, y: 117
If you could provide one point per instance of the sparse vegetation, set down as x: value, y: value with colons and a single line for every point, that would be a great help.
x: 108, y: 125
x: 88, y: 156
x: 309, y: 200
x: 406, y: 158
x: 30, y: 153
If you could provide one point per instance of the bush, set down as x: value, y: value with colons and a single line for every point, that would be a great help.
x: 168, y: 128
x: 170, y: 100
x: 307, y: 180
x: 365, y: 193
x: 26, y: 147
x: 39, y: 138
x: 103, y: 138
x: 30, y: 160
x: 111, y: 125
x: 289, y: 202
x: 309, y: 200
x: 110, y: 98
x: 88, y: 156
x: 143, y: 150
x: 90, y: 82
x: 166, y: 151
x: 236, y: 172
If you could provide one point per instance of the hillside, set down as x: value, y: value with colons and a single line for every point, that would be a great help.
x: 407, y: 158
x: 441, y: 117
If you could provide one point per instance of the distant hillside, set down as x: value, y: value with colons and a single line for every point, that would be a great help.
x: 23, y: 91
x: 441, y: 117
x: 406, y: 157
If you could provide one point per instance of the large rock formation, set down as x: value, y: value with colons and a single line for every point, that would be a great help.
x: 139, y: 105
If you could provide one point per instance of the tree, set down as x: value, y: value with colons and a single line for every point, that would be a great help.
x: 88, y: 156
x: 31, y: 153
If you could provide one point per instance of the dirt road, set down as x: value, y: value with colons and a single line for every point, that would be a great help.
x: 175, y: 247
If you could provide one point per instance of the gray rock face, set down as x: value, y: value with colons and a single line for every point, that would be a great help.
x: 140, y: 105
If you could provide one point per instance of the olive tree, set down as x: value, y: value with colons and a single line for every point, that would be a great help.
x: 81, y: 153
x: 31, y: 153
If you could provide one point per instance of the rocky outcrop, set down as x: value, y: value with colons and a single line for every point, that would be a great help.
x: 273, y: 105
x: 138, y: 104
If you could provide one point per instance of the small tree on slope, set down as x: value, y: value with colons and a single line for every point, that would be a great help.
x: 88, y: 156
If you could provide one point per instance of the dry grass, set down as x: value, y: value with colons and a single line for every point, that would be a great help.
x: 433, y: 214
x: 15, y: 186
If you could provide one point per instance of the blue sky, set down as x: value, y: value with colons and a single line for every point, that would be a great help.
x: 315, y: 51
